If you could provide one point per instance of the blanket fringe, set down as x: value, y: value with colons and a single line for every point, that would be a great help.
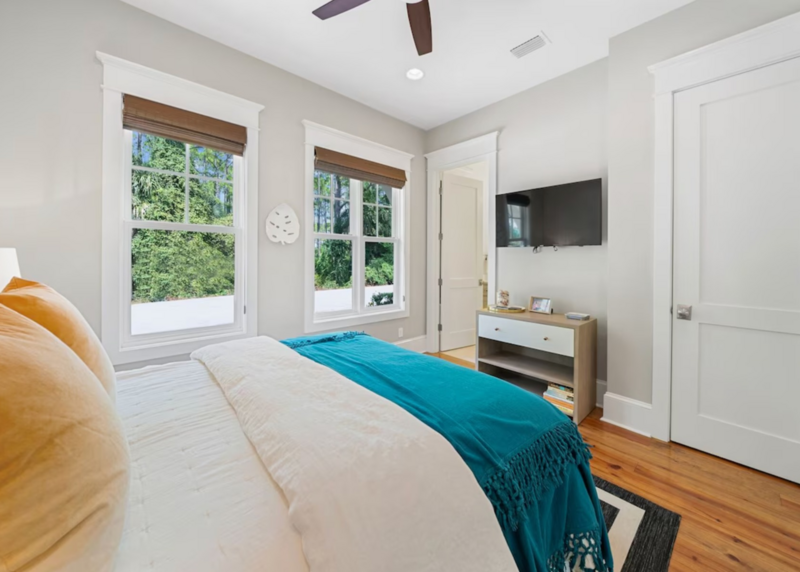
x: 582, y: 551
x: 533, y: 471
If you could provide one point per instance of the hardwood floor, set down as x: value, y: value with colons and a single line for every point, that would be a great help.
x: 733, y: 518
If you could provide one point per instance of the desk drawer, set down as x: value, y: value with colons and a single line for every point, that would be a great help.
x: 529, y: 334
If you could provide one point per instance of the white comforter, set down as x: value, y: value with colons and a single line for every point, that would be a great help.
x: 369, y: 487
x: 200, y: 499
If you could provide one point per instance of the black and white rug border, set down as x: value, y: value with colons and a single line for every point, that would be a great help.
x: 642, y: 533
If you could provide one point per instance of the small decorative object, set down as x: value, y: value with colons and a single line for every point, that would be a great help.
x: 283, y: 225
x: 507, y: 309
x: 502, y: 298
x: 541, y: 305
x: 577, y: 316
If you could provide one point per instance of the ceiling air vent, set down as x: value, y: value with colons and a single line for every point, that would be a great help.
x: 531, y: 45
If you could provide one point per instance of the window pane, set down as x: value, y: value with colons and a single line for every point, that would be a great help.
x: 370, y: 192
x: 210, y: 163
x: 322, y: 215
x: 379, y: 274
x: 158, y: 153
x: 210, y: 202
x: 384, y: 221
x: 181, y: 280
x: 341, y: 187
x: 341, y: 217
x: 322, y: 184
x: 333, y: 275
x: 370, y: 220
x: 157, y: 197
x: 385, y: 195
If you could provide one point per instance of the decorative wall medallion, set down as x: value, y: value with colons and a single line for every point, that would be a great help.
x: 283, y: 225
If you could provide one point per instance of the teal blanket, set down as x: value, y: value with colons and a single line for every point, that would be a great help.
x: 528, y: 457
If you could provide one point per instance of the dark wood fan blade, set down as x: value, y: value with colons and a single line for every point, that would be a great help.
x: 336, y: 7
x: 419, y: 16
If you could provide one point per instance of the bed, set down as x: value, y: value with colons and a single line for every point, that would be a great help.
x: 200, y: 498
x: 334, y: 453
x: 211, y: 489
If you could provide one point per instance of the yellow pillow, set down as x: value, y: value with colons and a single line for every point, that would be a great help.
x: 63, y: 456
x: 51, y: 310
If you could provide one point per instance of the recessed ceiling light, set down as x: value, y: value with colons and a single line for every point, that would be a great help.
x: 415, y: 74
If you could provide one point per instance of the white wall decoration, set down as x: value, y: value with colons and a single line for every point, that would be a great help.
x: 283, y: 225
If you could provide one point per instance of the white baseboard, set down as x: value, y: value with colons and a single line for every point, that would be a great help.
x: 627, y: 413
x: 601, y: 391
x: 418, y: 344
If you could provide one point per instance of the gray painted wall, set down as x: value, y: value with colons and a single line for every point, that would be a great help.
x: 554, y: 133
x: 593, y: 122
x: 630, y: 168
x: 51, y: 145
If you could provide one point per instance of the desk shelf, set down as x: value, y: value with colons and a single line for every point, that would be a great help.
x: 532, y: 350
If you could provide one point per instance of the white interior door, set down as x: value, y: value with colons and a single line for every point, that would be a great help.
x: 736, y: 363
x: 462, y: 260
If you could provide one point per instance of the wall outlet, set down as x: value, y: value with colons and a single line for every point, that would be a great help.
x: 399, y: 332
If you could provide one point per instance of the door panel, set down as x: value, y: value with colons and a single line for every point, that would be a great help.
x: 736, y: 370
x: 462, y: 258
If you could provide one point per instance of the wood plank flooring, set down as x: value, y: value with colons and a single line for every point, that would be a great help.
x: 734, y: 518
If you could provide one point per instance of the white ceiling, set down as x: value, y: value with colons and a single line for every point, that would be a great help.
x: 365, y: 53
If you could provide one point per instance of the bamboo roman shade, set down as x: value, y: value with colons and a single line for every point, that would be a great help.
x: 165, y: 121
x: 356, y: 168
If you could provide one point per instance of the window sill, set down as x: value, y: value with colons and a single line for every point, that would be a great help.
x: 173, y: 348
x: 351, y: 320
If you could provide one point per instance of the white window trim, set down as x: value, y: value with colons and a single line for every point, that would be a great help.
x: 321, y: 136
x: 121, y: 77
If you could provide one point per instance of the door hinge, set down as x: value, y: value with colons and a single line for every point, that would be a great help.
x: 440, y: 327
x: 245, y: 309
x: 440, y: 282
x: 441, y: 237
x: 441, y: 187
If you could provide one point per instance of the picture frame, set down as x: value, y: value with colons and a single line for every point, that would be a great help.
x: 540, y: 305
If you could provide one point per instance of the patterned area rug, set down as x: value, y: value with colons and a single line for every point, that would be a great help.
x: 642, y: 533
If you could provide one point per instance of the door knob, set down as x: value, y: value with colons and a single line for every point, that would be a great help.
x: 684, y: 312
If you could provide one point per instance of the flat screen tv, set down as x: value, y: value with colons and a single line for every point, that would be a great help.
x: 563, y: 215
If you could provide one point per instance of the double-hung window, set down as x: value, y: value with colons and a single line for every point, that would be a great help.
x: 183, y: 237
x: 179, y: 214
x: 357, y: 236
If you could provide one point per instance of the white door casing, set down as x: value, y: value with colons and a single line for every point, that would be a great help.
x: 772, y: 43
x: 736, y: 363
x: 483, y: 148
x: 462, y: 260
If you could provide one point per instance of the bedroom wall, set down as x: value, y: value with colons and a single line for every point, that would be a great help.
x: 553, y: 133
x: 51, y: 144
x: 630, y: 168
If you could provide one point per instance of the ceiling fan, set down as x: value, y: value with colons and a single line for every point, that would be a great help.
x: 419, y: 16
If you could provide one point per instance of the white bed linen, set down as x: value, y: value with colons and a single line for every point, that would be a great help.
x: 370, y: 487
x: 200, y: 498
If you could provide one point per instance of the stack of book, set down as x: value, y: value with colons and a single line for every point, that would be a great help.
x: 561, y: 396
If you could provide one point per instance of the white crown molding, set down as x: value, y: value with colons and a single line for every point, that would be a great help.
x: 135, y: 79
x: 322, y: 136
x: 463, y: 152
x: 768, y: 44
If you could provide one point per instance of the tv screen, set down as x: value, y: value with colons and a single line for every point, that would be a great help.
x: 563, y: 215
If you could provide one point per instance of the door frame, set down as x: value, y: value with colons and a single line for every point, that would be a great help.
x: 766, y: 45
x: 483, y: 148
